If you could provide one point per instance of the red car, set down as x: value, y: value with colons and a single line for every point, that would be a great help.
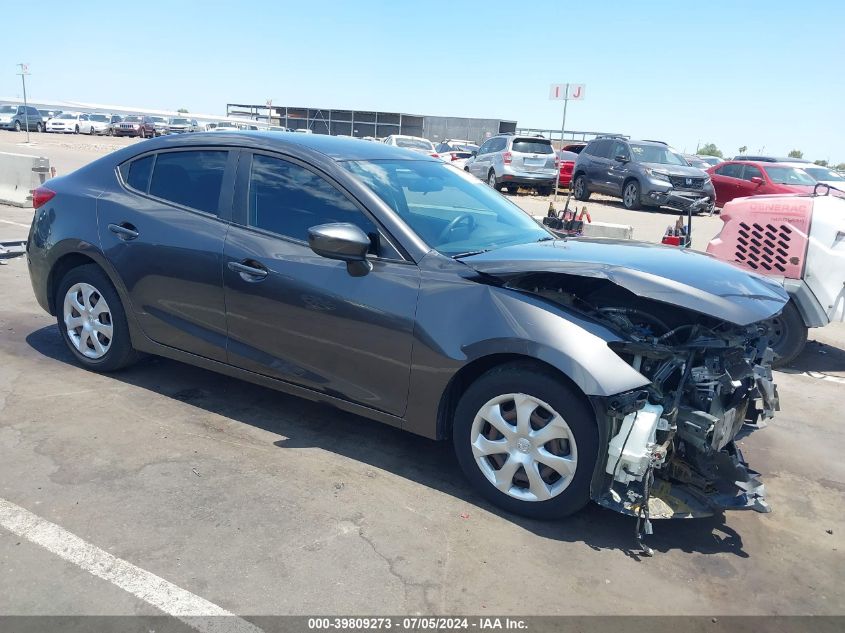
x: 567, y: 162
x: 742, y: 178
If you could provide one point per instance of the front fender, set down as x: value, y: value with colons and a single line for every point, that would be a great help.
x: 461, y: 321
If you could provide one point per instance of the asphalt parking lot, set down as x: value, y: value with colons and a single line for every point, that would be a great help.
x: 261, y: 503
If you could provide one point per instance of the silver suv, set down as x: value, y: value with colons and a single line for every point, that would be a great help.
x: 513, y: 161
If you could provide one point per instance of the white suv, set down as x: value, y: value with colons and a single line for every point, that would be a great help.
x: 513, y: 161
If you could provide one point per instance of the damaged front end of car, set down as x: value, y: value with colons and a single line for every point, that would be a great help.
x: 694, y: 329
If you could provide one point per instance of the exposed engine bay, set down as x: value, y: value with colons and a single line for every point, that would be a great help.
x: 671, y: 446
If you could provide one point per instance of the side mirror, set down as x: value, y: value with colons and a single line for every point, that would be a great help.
x: 342, y: 241
x: 757, y: 180
x: 620, y: 158
x: 474, y: 154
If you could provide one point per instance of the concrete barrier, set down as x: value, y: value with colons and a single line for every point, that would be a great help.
x: 606, y: 229
x: 19, y: 175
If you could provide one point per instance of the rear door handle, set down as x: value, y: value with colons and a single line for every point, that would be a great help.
x: 248, y: 272
x: 124, y: 231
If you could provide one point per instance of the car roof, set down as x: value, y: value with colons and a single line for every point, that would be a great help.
x: 333, y: 147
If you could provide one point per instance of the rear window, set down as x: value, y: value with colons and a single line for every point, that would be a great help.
x: 532, y: 146
x: 192, y: 179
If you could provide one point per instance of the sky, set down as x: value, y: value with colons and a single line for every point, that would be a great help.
x: 762, y: 74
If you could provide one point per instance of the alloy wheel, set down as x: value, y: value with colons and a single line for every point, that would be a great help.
x: 630, y: 195
x: 491, y: 179
x: 524, y: 447
x: 88, y: 320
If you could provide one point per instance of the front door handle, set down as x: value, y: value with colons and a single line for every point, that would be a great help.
x: 248, y: 272
x: 124, y: 231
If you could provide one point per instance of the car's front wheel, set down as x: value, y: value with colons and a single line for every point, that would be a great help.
x: 526, y: 441
x: 631, y: 195
x: 579, y: 189
x: 38, y: 128
x: 18, y: 126
x: 92, y: 321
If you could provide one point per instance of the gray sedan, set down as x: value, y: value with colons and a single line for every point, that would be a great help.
x: 389, y: 284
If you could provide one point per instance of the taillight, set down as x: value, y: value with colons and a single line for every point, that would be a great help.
x: 455, y: 157
x: 506, y: 158
x: 434, y: 155
x: 41, y: 196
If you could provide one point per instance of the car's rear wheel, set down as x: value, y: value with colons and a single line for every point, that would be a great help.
x: 92, y: 321
x: 526, y: 441
x: 631, y: 195
x: 787, y: 335
x: 493, y: 181
x: 579, y: 190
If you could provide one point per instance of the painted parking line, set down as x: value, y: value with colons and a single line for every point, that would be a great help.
x: 26, y: 226
x: 196, y: 612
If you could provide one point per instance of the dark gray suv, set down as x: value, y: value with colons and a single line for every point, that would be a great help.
x: 642, y: 173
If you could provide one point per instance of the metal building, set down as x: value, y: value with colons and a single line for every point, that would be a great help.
x: 361, y: 123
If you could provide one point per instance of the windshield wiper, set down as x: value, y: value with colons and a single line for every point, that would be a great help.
x: 468, y: 253
x: 547, y: 238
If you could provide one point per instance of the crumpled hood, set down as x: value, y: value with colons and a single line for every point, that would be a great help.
x: 676, y: 276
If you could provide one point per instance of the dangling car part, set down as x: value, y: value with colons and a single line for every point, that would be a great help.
x: 798, y: 240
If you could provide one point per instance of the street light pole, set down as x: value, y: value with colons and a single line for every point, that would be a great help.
x: 23, y: 73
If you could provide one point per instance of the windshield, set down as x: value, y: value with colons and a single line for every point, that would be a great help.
x: 823, y: 173
x: 132, y: 119
x: 179, y: 121
x: 99, y: 117
x: 226, y: 124
x: 659, y: 154
x: 789, y: 176
x: 158, y: 119
x: 450, y: 210
x: 414, y: 143
x: 7, y: 109
x: 67, y: 115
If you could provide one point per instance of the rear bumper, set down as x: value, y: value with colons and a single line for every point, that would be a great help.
x: 537, y: 180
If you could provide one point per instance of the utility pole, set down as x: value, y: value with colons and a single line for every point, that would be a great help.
x: 23, y: 73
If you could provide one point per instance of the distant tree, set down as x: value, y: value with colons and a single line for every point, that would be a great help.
x: 743, y: 149
x: 796, y: 153
x: 820, y: 163
x: 709, y: 150
x: 183, y: 110
x: 840, y: 167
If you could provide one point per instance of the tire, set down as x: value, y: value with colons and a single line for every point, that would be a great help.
x: 76, y: 130
x: 91, y: 131
x: 38, y: 128
x: 493, y: 181
x: 18, y: 126
x: 109, y: 131
x: 579, y: 189
x: 532, y: 384
x: 787, y: 335
x: 631, y: 195
x: 114, y: 352
x: 545, y: 191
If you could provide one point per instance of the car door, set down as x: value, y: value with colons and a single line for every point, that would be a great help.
x: 302, y: 318
x: 599, y: 165
x: 476, y: 167
x: 617, y: 170
x: 163, y: 230
x: 726, y: 180
x: 83, y: 124
x: 745, y: 187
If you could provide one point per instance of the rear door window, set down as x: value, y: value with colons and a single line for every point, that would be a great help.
x: 137, y: 173
x: 532, y: 146
x: 750, y: 172
x: 731, y: 170
x: 602, y: 148
x: 191, y: 178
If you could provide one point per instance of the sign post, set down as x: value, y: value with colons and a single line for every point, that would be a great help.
x: 565, y: 93
x: 23, y: 73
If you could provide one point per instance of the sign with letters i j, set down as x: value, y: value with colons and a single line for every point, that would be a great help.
x: 567, y: 92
